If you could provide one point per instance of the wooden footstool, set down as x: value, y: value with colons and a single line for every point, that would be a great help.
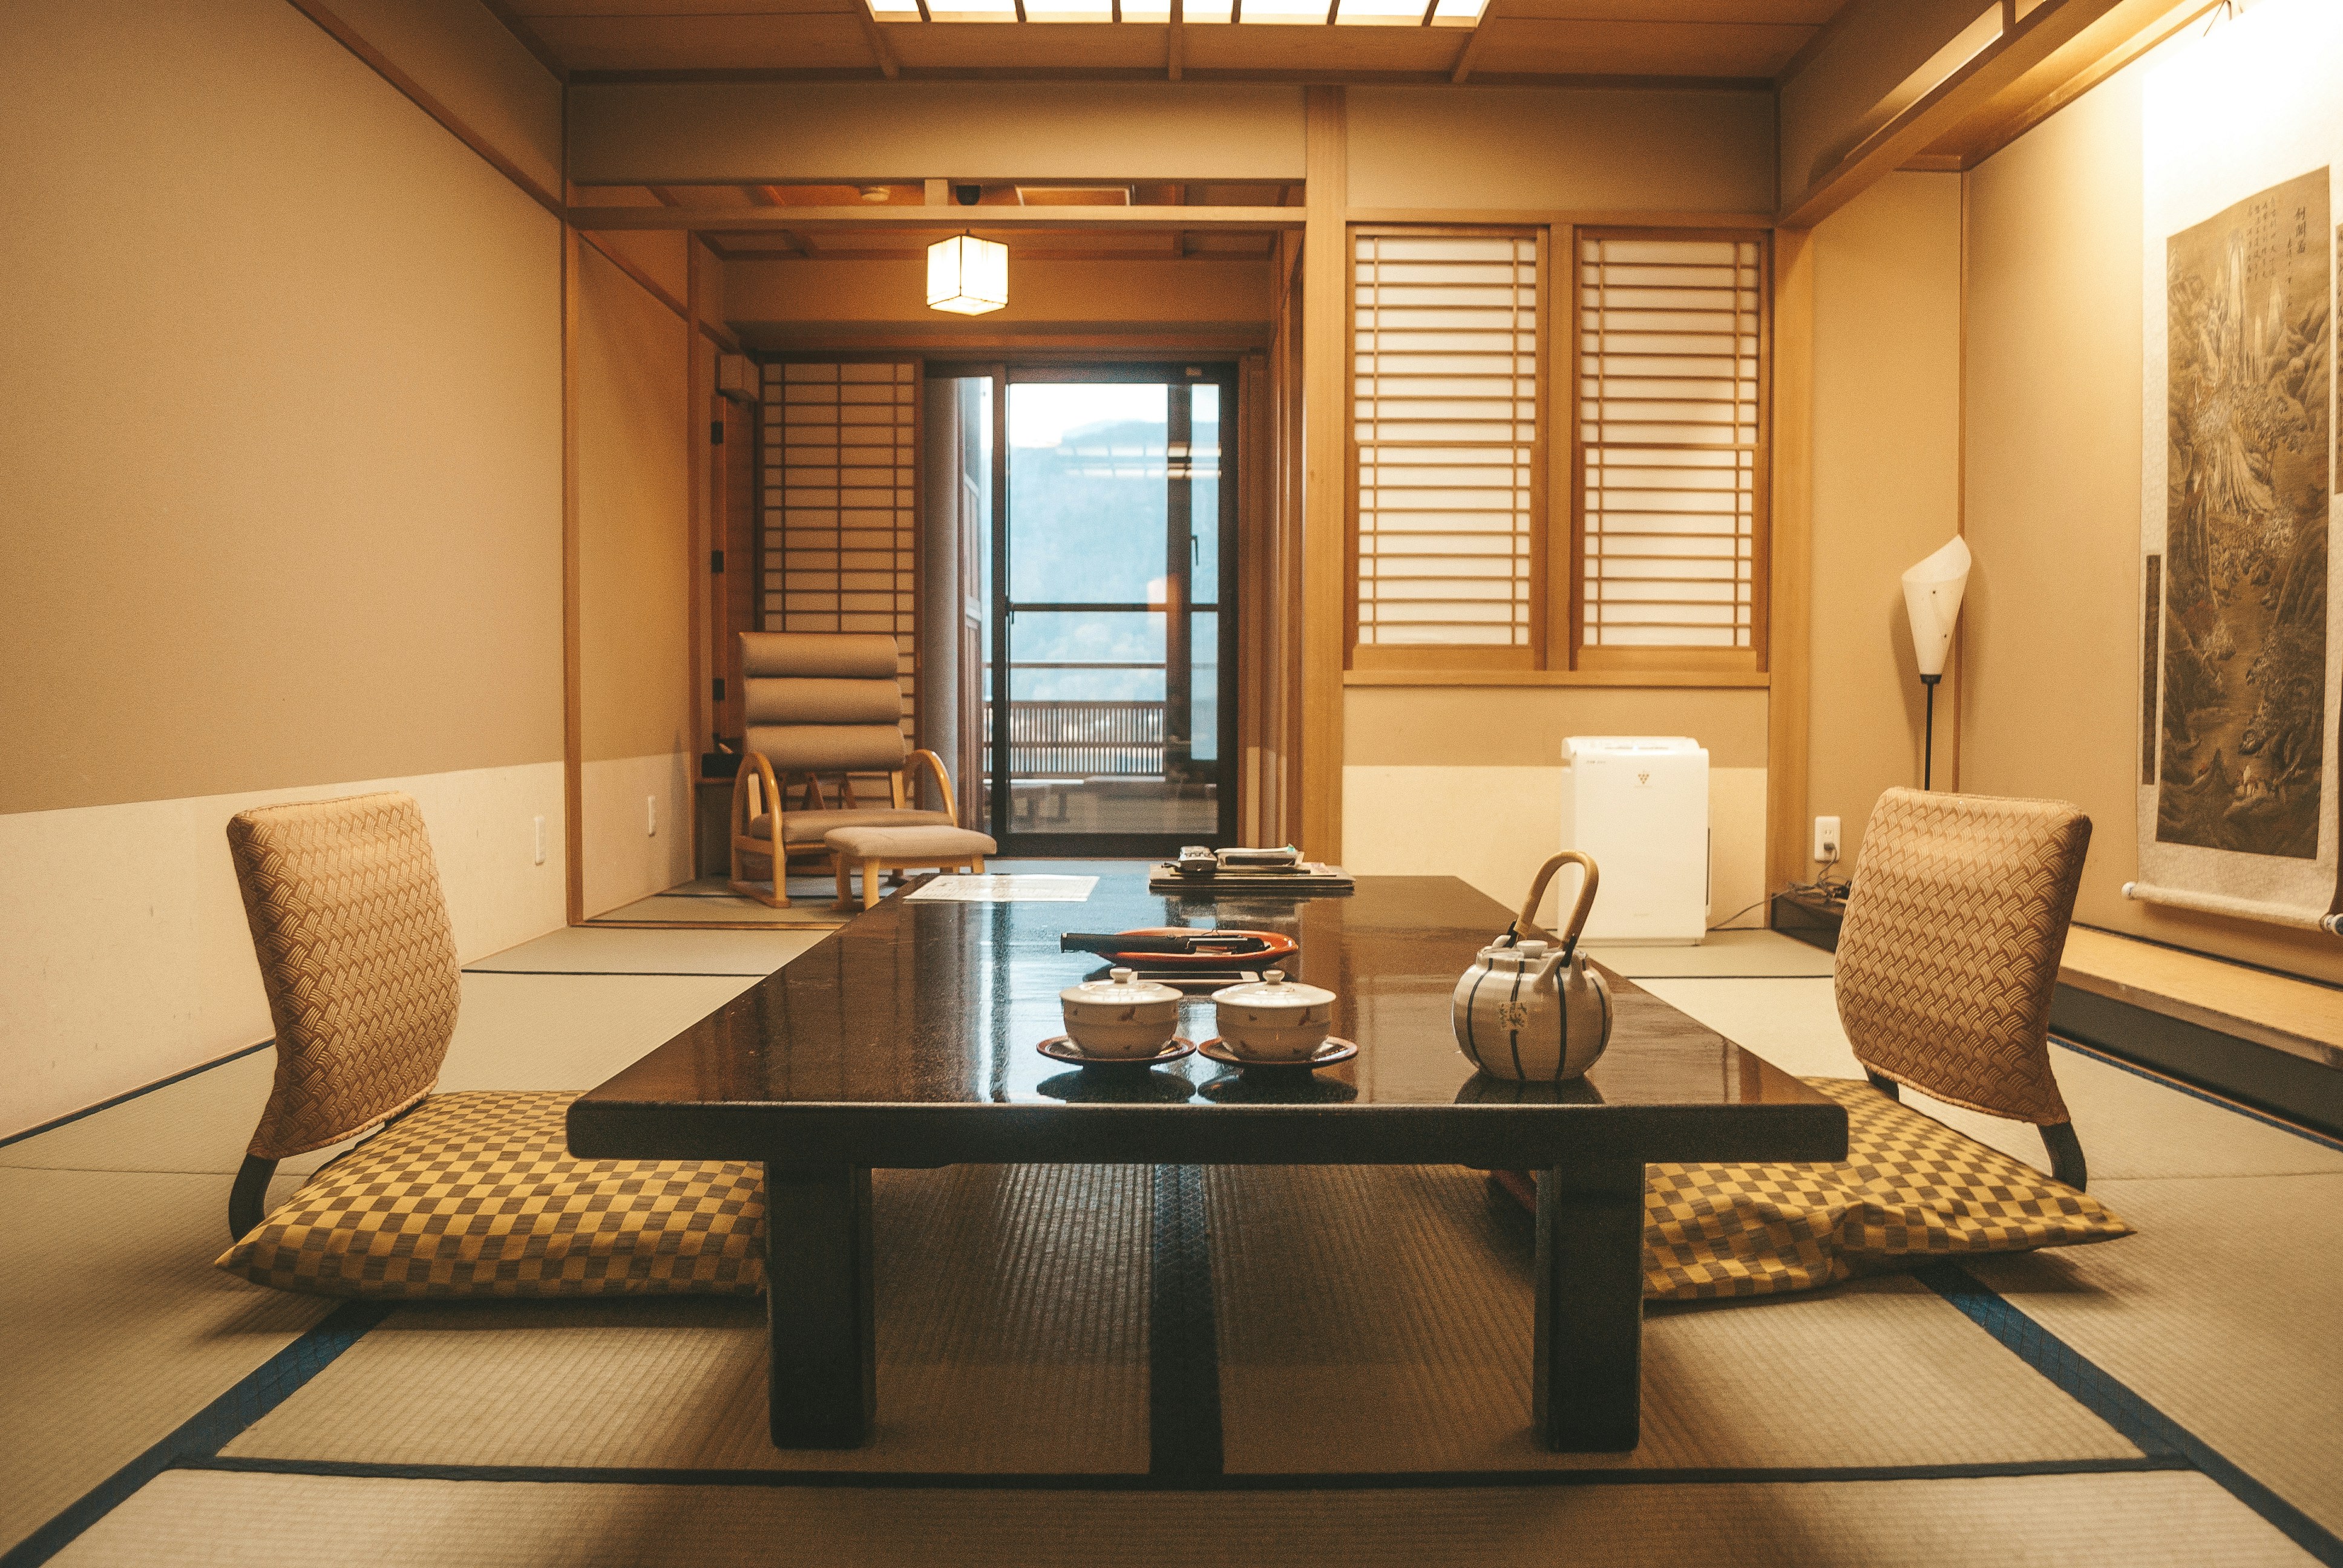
x: 877, y: 849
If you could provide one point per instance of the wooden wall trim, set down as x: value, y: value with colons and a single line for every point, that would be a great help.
x: 573, y: 695
x: 1025, y: 220
x: 1789, y: 659
x: 1550, y: 218
x: 348, y: 38
x: 700, y: 527
x: 649, y: 284
x: 1325, y: 361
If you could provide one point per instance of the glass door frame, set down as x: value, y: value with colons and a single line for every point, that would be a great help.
x: 1167, y: 372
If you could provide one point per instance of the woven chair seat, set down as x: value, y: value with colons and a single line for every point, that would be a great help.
x: 1911, y: 1188
x: 475, y: 1193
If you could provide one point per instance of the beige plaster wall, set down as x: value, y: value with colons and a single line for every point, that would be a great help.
x: 2051, y: 628
x: 634, y: 584
x: 632, y: 133
x: 456, y: 50
x: 282, y: 435
x: 1887, y: 487
x: 1548, y: 148
x: 280, y: 450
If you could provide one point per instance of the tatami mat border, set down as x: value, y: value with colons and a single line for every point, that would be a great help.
x: 2153, y: 1432
x: 1183, y: 1348
x: 130, y: 1094
x: 631, y: 974
x: 1251, y: 1480
x: 210, y: 1428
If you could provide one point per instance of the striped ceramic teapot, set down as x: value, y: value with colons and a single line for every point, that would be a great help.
x: 1529, y: 1008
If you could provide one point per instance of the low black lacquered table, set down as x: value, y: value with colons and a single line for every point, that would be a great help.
x: 905, y: 1039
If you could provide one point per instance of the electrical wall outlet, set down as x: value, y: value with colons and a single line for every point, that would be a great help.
x: 1826, y: 840
x: 540, y: 841
x: 651, y: 815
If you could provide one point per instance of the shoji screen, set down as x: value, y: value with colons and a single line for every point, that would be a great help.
x: 842, y: 542
x: 1670, y: 334
x: 1445, y: 406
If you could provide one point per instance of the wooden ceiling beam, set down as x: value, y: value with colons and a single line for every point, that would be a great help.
x: 1942, y: 105
x: 882, y: 50
x: 1465, y: 56
x: 1021, y: 219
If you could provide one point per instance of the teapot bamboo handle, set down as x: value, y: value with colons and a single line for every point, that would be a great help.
x: 1527, y: 922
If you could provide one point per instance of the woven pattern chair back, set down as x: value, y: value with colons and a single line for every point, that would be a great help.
x: 1950, y: 951
x: 822, y: 703
x: 358, y: 959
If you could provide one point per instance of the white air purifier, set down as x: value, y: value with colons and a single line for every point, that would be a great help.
x: 1639, y: 805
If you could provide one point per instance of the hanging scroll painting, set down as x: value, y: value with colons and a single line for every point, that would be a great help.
x: 2241, y: 610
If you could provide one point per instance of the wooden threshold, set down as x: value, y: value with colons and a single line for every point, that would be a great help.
x: 1629, y: 677
x: 2301, y: 1018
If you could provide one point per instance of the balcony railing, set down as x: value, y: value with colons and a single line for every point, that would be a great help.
x: 1065, y: 739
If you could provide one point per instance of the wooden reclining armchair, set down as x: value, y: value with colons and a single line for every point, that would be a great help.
x: 821, y: 706
x: 1948, y: 956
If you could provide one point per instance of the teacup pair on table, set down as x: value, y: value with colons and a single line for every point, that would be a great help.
x: 1125, y: 1019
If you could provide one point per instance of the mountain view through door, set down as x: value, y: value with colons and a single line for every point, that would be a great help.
x: 1109, y: 724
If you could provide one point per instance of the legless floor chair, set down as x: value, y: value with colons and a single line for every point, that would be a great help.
x: 1946, y: 963
x: 463, y: 1194
x: 824, y: 714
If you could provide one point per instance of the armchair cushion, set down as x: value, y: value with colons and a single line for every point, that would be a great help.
x: 1910, y: 1189
x: 808, y: 829
x: 476, y: 1194
x: 897, y: 841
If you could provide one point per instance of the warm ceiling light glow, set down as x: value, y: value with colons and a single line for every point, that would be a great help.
x: 1383, y: 13
x: 1289, y: 11
x: 1458, y: 13
x: 967, y: 275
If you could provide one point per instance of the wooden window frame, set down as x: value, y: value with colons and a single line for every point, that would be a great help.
x: 1451, y: 657
x: 1638, y: 661
x: 1556, y: 654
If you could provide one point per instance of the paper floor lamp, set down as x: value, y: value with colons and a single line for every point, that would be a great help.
x: 1932, y: 597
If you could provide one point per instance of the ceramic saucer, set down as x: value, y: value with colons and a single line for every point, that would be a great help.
x: 1061, y: 1047
x: 1335, y: 1050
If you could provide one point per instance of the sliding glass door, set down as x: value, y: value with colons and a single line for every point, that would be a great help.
x: 1110, y: 722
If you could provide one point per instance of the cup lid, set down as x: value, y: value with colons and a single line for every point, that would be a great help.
x: 1274, y: 991
x: 1121, y: 985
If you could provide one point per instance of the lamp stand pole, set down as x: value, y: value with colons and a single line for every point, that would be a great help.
x: 1929, y: 747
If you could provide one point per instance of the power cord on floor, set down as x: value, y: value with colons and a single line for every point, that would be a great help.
x: 1824, y: 884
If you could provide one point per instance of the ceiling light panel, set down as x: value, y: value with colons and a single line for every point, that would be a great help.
x: 896, y: 10
x: 973, y: 10
x: 1209, y: 11
x: 1458, y: 13
x: 1068, y: 10
x: 1380, y: 13
x: 1286, y: 11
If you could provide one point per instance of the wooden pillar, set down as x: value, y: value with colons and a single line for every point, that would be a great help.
x: 573, y: 708
x: 1325, y: 319
x: 1790, y: 570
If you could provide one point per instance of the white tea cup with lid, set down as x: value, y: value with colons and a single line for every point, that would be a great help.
x: 1274, y: 1019
x: 1120, y: 1016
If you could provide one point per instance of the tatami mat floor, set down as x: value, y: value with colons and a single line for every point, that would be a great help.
x: 1372, y: 1323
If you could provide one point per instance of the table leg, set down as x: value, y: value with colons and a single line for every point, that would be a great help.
x: 818, y: 1296
x: 1587, y: 1394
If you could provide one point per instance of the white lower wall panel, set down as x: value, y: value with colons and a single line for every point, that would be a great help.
x: 624, y: 859
x: 1494, y: 827
x: 124, y: 952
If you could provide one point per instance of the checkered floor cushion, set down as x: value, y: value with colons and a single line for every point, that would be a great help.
x: 475, y: 1194
x: 1911, y: 1188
